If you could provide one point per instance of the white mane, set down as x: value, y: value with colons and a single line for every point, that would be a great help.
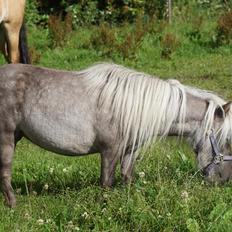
x: 146, y: 107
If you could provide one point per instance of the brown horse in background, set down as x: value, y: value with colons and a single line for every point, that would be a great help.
x: 13, y: 42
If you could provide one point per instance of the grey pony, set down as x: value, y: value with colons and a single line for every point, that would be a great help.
x: 107, y: 109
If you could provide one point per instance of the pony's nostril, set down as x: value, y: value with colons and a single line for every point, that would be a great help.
x: 212, y: 174
x: 207, y: 171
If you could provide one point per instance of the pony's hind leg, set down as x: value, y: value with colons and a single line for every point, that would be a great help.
x: 109, y: 161
x: 6, y: 155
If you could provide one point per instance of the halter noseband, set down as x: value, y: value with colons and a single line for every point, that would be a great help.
x: 218, y: 157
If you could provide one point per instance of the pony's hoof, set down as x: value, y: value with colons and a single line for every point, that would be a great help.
x: 127, y: 180
x: 11, y: 203
x: 106, y: 185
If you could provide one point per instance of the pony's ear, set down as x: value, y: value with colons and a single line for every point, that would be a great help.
x: 219, y: 113
x: 226, y: 107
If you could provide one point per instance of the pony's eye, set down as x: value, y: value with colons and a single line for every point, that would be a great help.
x: 197, y: 148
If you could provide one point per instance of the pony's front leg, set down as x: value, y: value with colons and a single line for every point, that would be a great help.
x: 127, y: 167
x: 6, y: 155
x: 108, y: 165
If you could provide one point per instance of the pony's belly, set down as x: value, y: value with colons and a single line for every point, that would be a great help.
x: 69, y: 134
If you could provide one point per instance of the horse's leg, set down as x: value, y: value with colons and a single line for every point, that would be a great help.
x: 6, y: 155
x: 17, y: 136
x: 127, y: 167
x: 12, y: 32
x: 108, y: 165
x: 3, y: 43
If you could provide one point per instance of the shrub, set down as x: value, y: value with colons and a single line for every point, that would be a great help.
x: 59, y: 29
x: 110, y: 40
x: 93, y: 11
x: 169, y: 44
x: 84, y: 13
x: 224, y: 29
x: 34, y: 55
x: 132, y: 41
x: 33, y: 15
x: 195, y: 33
x: 104, y: 39
x: 155, y: 7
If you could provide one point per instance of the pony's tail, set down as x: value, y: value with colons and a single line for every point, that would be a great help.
x: 23, y: 48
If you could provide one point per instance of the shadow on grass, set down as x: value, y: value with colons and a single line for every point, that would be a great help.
x: 58, y: 187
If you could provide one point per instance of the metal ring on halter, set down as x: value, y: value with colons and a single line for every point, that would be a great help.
x: 218, y: 158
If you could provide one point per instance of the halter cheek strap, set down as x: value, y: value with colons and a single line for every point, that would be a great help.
x: 218, y: 157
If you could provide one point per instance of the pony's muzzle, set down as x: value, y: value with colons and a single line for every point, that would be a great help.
x: 212, y: 174
x: 217, y: 173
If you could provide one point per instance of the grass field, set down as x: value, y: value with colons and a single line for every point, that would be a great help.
x: 57, y: 193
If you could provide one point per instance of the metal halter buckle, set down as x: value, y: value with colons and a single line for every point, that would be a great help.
x: 218, y: 158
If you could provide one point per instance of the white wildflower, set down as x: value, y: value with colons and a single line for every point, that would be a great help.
x: 51, y: 170
x: 70, y: 225
x: 40, y: 221
x: 18, y: 190
x: 27, y: 216
x: 34, y: 193
x: 65, y: 170
x: 105, y: 195
x: 184, y: 195
x: 46, y: 187
x: 48, y: 220
x: 85, y: 215
x: 103, y: 210
x: 168, y: 156
x: 141, y: 174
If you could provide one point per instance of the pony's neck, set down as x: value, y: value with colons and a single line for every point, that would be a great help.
x: 195, y: 113
x: 196, y: 108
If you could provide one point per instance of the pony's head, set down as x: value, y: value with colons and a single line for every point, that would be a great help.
x: 213, y: 147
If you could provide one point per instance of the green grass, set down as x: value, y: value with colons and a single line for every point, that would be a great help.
x: 58, y: 193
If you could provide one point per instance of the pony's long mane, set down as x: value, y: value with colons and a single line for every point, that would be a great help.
x: 146, y: 107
